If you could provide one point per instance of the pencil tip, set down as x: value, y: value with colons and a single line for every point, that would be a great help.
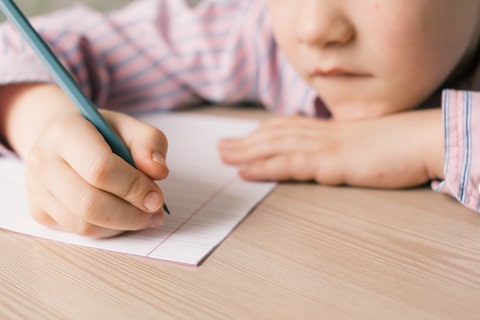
x: 165, y: 208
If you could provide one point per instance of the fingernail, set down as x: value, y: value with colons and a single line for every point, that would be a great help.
x: 159, y: 158
x: 155, y: 221
x: 152, y: 201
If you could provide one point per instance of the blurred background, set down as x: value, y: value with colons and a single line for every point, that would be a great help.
x: 32, y: 7
x: 35, y: 7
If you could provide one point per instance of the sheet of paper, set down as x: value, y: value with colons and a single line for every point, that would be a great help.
x: 207, y: 198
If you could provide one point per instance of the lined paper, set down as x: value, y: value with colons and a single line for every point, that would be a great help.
x: 207, y: 198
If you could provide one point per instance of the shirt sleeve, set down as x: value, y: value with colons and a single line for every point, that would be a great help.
x: 160, y: 54
x: 149, y: 55
x: 19, y: 64
x: 461, y: 119
x: 163, y: 54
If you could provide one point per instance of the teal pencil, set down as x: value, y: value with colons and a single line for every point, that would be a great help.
x: 66, y: 81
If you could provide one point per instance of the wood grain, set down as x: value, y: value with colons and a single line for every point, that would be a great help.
x: 306, y: 252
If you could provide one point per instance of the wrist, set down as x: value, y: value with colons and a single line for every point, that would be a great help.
x: 26, y: 110
x: 433, y: 149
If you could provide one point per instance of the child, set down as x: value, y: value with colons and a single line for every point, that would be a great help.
x: 359, y: 84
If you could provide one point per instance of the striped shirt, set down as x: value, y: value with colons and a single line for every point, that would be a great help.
x: 160, y: 54
x: 165, y: 54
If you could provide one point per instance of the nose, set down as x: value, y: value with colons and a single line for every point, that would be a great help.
x: 323, y: 23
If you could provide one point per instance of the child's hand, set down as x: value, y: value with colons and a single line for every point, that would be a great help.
x: 394, y: 151
x: 74, y: 181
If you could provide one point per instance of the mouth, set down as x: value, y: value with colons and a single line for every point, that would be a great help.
x: 336, y: 73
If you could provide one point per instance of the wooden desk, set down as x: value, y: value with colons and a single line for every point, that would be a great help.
x: 307, y: 252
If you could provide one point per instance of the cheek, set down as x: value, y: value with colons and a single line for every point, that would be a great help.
x: 418, y: 54
x: 409, y: 66
x: 284, y: 33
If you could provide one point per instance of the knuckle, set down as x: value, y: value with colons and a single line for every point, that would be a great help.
x: 60, y: 128
x: 299, y: 167
x: 132, y: 188
x: 327, y: 176
x: 296, y: 160
x: 87, y: 206
x: 98, y: 170
x: 34, y: 160
x: 139, y: 222
x: 85, y: 229
x: 41, y: 217
x: 30, y: 184
x: 57, y: 129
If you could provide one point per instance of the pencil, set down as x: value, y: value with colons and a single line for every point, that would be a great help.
x: 66, y: 81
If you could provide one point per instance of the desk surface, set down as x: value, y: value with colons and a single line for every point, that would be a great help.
x: 306, y: 252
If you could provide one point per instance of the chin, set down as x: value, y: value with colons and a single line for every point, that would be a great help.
x: 359, y: 112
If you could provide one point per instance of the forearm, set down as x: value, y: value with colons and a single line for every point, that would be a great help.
x: 431, y: 142
x: 26, y: 110
x: 395, y: 151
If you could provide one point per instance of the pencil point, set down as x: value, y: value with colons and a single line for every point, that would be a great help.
x: 165, y: 209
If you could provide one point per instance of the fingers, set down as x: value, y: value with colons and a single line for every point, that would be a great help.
x: 57, y: 216
x: 271, y: 139
x: 293, y: 148
x: 294, y: 166
x: 95, y: 163
x: 77, y: 183
x: 99, y: 207
x: 82, y: 209
x: 147, y: 144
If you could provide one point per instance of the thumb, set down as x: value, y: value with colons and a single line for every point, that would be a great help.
x: 147, y: 144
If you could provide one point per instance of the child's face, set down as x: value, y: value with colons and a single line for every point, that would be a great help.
x: 369, y: 58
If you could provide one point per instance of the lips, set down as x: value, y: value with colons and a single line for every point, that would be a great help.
x: 336, y: 72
